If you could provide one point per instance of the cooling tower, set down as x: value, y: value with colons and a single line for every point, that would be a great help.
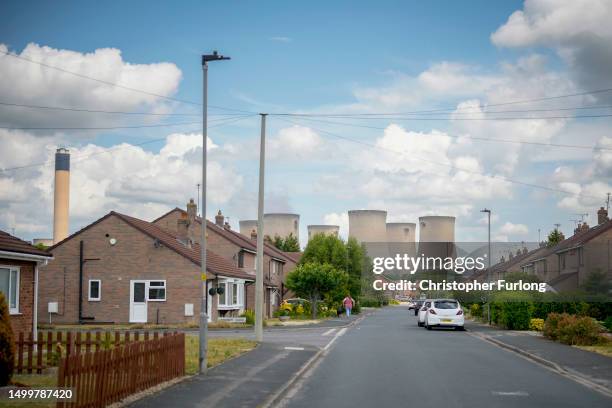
x: 437, y: 237
x: 247, y: 227
x: 368, y: 225
x: 61, y: 199
x: 281, y: 224
x: 436, y: 229
x: 401, y: 238
x: 323, y: 229
x: 401, y: 232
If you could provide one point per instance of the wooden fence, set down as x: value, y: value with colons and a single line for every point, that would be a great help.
x: 36, y: 354
x: 102, y: 377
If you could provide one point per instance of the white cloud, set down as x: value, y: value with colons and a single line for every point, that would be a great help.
x: 510, y: 229
x: 126, y: 178
x: 28, y: 83
x: 340, y: 219
x: 295, y: 142
x: 579, y: 30
x: 281, y: 39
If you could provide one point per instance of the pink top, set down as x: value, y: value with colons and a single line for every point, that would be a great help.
x: 348, y: 302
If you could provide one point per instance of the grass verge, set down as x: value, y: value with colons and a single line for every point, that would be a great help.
x: 604, y: 348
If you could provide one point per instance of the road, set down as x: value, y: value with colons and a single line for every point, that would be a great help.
x: 387, y: 361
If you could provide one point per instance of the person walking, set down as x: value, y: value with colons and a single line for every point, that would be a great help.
x: 348, y: 303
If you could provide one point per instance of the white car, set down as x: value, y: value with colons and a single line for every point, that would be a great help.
x: 423, y: 312
x: 444, y: 313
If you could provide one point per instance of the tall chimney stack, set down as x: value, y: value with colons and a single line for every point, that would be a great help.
x: 61, y: 200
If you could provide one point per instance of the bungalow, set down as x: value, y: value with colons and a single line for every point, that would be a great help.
x: 238, y: 249
x: 121, y: 269
x: 19, y: 280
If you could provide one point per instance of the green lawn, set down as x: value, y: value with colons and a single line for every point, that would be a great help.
x: 605, y: 348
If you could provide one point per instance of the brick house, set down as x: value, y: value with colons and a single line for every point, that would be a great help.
x: 121, y: 269
x: 568, y: 264
x: 241, y: 251
x: 19, y: 280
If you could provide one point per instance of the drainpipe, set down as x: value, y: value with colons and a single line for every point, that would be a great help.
x: 81, y: 263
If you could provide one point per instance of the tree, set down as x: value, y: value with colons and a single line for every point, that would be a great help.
x: 356, y: 265
x: 597, y: 283
x: 326, y: 249
x: 314, y: 281
x: 7, y: 344
x: 555, y: 237
x: 287, y: 244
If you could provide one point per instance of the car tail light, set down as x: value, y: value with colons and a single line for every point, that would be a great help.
x: 460, y: 312
x: 432, y: 311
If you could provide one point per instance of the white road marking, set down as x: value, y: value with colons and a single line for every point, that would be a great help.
x: 294, y: 348
x: 340, y: 333
x: 510, y: 393
x: 329, y: 332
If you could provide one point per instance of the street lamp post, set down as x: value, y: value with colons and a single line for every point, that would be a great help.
x: 204, y: 303
x: 488, y: 211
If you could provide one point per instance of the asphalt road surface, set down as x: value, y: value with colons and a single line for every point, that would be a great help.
x: 387, y: 361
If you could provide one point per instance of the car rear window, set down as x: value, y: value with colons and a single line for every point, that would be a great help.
x: 446, y: 304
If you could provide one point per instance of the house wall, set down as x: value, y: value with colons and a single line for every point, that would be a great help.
x: 134, y: 256
x: 24, y: 320
x: 597, y: 256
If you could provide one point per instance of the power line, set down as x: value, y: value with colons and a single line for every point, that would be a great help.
x: 481, y: 106
x: 62, y: 108
x: 449, y: 165
x: 114, y: 84
x: 110, y: 149
x: 469, y: 137
x: 121, y: 127
x: 416, y: 118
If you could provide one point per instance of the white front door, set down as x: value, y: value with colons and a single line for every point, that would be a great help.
x: 138, y: 302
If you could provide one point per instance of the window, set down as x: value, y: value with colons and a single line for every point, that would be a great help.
x: 232, y: 293
x: 241, y: 259
x: 9, y: 285
x: 95, y: 290
x: 156, y: 291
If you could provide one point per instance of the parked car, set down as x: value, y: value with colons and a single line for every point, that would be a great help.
x: 443, y: 313
x: 422, y: 311
x: 411, y: 304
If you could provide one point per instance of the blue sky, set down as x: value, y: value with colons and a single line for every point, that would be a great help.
x: 356, y: 57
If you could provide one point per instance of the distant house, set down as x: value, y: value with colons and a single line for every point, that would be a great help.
x: 121, y: 269
x: 19, y: 280
x: 240, y: 250
x: 567, y: 265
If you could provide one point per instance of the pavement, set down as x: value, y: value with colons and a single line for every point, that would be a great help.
x: 590, y: 366
x: 383, y: 360
x: 249, y: 380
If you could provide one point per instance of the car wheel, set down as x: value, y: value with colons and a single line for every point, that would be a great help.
x: 460, y: 328
x: 428, y: 327
x: 419, y: 324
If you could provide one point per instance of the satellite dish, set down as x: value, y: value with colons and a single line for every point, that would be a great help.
x: 112, y: 241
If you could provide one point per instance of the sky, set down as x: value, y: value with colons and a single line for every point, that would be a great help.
x: 318, y: 58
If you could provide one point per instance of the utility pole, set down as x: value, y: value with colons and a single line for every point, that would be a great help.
x: 486, y: 210
x: 259, y: 286
x: 204, y: 303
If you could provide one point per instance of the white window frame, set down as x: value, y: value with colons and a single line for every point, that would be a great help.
x: 92, y: 299
x: 148, y: 286
x: 11, y: 268
x: 226, y: 283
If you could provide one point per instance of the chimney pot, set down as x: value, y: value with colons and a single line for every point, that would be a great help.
x: 253, y: 234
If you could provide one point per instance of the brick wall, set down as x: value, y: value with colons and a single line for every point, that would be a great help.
x: 134, y: 256
x: 23, y: 321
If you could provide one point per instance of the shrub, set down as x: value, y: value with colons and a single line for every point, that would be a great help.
x: 394, y: 302
x: 476, y: 310
x: 7, y: 344
x: 572, y: 329
x: 608, y: 323
x: 249, y: 315
x: 370, y: 302
x: 512, y: 310
x: 536, y: 324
